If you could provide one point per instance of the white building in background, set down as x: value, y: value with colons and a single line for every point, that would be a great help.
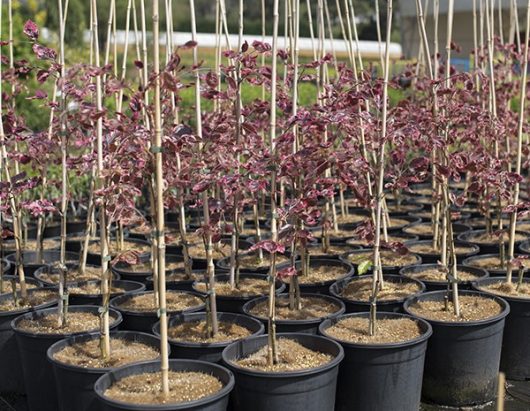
x: 462, y: 23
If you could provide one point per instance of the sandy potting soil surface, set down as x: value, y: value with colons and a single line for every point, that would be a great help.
x: 292, y: 356
x: 31, y: 245
x: 219, y: 251
x: 472, y: 308
x: 311, y: 308
x: 340, y: 233
x: 247, y: 287
x: 146, y: 388
x: 145, y: 267
x: 332, y: 250
x: 88, y: 353
x: 485, y: 238
x: 251, y: 261
x: 7, y: 287
x: 391, y: 238
x: 196, y: 332
x: 494, y: 263
x: 175, y: 300
x: 321, y: 273
x: 93, y: 288
x: 356, y: 330
x: 34, y: 299
x: 75, y: 322
x: 73, y: 275
x: 503, y: 288
x: 425, y: 248
x: 388, y: 258
x: 437, y: 274
x: 95, y: 248
x: 351, y: 218
x: 361, y: 290
x: 421, y: 229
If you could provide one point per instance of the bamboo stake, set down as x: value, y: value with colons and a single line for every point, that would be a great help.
x: 520, y: 123
x: 63, y: 302
x: 272, y: 349
x: 378, y: 30
x: 125, y: 49
x: 311, y: 31
x: 377, y: 271
x: 104, y: 327
x: 12, y: 203
x: 159, y: 179
x: 330, y: 32
x: 206, y: 212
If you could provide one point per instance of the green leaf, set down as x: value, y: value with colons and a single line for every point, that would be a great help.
x: 363, y: 267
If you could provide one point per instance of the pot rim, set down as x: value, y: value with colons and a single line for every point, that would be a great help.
x: 423, y: 337
x: 200, y: 315
x: 14, y: 323
x: 225, y: 390
x: 89, y: 336
x: 286, y: 374
x: 342, y: 309
x: 502, y: 302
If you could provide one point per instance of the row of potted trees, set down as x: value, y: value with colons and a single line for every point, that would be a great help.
x: 343, y: 254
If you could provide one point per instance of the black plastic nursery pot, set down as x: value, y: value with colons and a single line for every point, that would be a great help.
x: 354, y: 306
x: 72, y: 226
x: 308, y: 390
x: 32, y: 263
x: 11, y: 378
x: 234, y: 304
x: 458, y: 228
x: 308, y: 326
x: 433, y: 258
x: 210, y: 352
x: 215, y: 402
x: 144, y: 321
x: 95, y: 299
x: 95, y: 259
x: 75, y: 384
x: 39, y: 378
x: 7, y: 267
x: 199, y: 263
x: 396, y: 228
x: 487, y: 248
x: 463, y: 358
x: 387, y: 269
x: 515, y: 361
x: 322, y: 287
x: 73, y: 243
x: 474, y: 260
x: 181, y: 284
x: 524, y: 247
x: 380, y: 376
x: 127, y: 272
x: 414, y: 270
